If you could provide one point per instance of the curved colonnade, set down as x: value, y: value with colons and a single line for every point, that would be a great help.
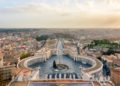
x: 94, y: 71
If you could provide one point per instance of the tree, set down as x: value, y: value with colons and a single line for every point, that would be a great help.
x: 41, y: 38
x: 25, y: 55
x: 54, y: 64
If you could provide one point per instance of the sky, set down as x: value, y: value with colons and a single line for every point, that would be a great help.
x: 59, y: 13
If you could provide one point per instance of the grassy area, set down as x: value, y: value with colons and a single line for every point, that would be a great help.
x: 111, y: 46
x: 102, y: 44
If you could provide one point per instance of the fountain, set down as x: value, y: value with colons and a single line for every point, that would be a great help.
x: 60, y: 66
x: 59, y: 50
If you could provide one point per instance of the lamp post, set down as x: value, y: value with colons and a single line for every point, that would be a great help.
x: 81, y: 68
x: 39, y: 68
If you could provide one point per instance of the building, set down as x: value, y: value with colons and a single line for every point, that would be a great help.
x: 116, y: 62
x: 117, y: 55
x: 115, y: 70
x: 115, y: 76
x: 1, y: 59
x: 61, y: 83
x: 6, y: 73
x: 109, y: 58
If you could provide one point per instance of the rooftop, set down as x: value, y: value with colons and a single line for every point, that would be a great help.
x: 61, y: 83
x: 109, y: 57
x: 117, y: 69
x: 57, y: 83
x: 117, y: 62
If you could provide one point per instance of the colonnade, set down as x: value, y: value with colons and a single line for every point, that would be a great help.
x: 42, y: 57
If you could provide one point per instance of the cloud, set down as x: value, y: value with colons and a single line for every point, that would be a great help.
x: 66, y: 6
x: 62, y: 13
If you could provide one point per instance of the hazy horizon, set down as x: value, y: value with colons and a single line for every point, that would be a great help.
x: 59, y: 28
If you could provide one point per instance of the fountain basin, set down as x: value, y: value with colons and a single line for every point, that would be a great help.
x: 61, y: 67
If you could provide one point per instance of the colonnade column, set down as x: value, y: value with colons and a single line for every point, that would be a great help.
x: 70, y: 76
x: 64, y: 76
x: 55, y: 76
x: 73, y: 76
x: 50, y: 77
x: 60, y: 76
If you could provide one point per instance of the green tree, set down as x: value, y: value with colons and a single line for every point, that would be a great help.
x: 43, y: 37
x: 25, y: 55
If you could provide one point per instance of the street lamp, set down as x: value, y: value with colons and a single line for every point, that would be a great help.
x: 81, y: 69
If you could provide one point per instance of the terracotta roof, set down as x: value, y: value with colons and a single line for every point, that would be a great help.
x: 117, y: 62
x: 118, y: 55
x: 117, y: 69
x: 109, y: 57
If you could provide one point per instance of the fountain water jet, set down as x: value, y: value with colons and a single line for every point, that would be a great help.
x: 59, y: 50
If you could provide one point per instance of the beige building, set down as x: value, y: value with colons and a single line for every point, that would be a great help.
x: 6, y: 73
x: 115, y: 76
x: 1, y: 59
